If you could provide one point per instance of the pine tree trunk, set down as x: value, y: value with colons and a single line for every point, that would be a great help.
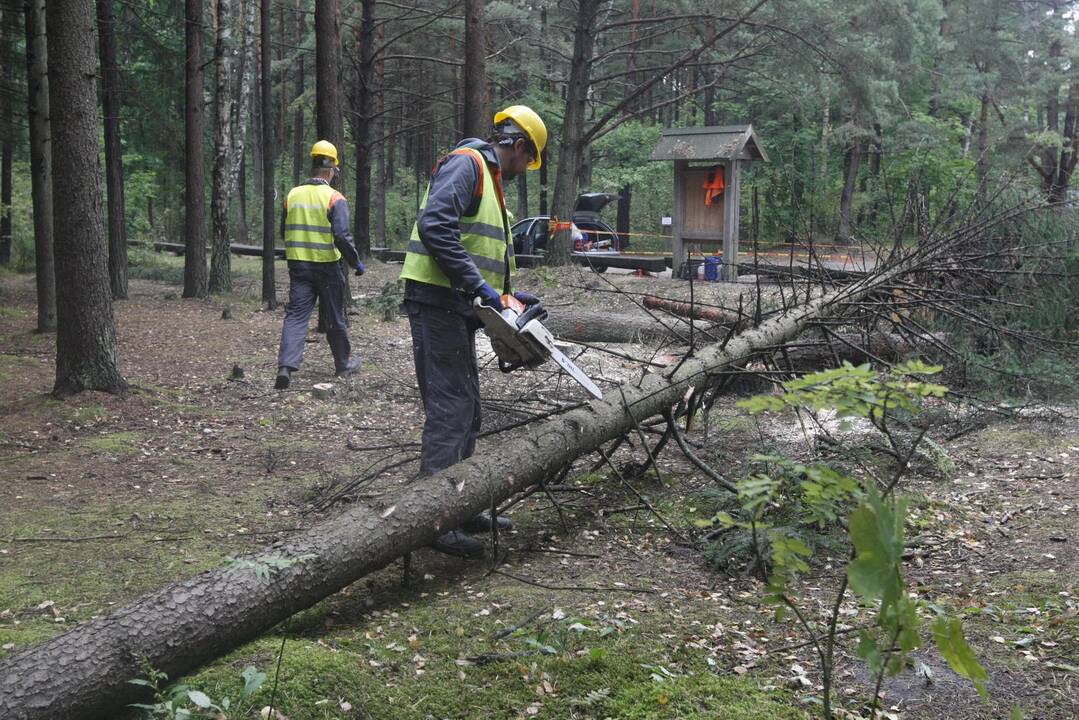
x: 195, y: 280
x: 37, y: 81
x: 225, y: 58
x: 362, y: 128
x: 477, y: 120
x: 522, y: 196
x: 86, y: 355
x: 981, y: 166
x: 299, y: 158
x: 191, y: 622
x: 328, y: 72
x: 114, y: 153
x: 1069, y: 146
x: 625, y: 198
x: 570, y: 148
x: 241, y: 112
x: 7, y: 130
x: 846, y: 198
x: 269, y: 293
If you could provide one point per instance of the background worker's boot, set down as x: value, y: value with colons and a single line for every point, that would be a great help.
x: 351, y: 365
x: 458, y: 544
x: 482, y: 523
x: 344, y: 362
x: 283, y: 377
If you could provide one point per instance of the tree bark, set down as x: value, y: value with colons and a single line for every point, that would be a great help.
x: 477, y: 119
x: 114, y: 152
x: 328, y: 73
x: 625, y: 197
x: 220, y: 200
x: 191, y: 622
x: 605, y: 327
x: 37, y: 81
x: 685, y: 309
x: 570, y: 144
x: 981, y: 165
x: 299, y: 159
x: 7, y: 131
x: 846, y: 199
x: 86, y: 355
x: 365, y: 96
x: 522, y: 196
x: 194, y: 168
x: 269, y: 137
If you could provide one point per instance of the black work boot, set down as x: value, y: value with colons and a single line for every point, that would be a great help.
x: 282, y: 381
x: 351, y: 365
x: 458, y: 544
x: 482, y: 523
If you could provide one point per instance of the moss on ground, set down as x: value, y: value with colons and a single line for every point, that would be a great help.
x: 115, y: 443
x: 434, y: 657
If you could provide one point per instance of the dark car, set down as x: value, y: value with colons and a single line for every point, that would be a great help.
x: 530, y: 235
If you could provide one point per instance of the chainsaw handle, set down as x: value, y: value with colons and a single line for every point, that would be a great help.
x: 508, y: 301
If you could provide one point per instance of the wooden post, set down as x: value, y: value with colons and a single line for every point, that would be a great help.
x: 678, y: 246
x: 731, y: 203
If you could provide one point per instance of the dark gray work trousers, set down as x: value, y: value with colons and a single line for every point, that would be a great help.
x: 444, y: 351
x: 309, y: 281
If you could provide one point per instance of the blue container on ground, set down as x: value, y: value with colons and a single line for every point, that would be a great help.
x: 711, y: 267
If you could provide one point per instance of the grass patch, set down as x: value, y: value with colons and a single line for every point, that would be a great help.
x: 117, y: 443
x: 419, y: 660
x: 89, y: 413
x: 1022, y: 438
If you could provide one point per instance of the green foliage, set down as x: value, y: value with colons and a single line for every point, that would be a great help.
x: 182, y: 702
x: 948, y: 632
x: 387, y: 303
x: 801, y: 495
x: 855, y: 392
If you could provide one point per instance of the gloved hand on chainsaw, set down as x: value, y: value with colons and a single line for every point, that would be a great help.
x: 526, y: 298
x: 489, y: 297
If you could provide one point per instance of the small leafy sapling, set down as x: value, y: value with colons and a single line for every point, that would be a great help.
x: 785, y: 497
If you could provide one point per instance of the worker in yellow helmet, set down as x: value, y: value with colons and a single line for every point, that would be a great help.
x: 317, y: 236
x: 461, y: 249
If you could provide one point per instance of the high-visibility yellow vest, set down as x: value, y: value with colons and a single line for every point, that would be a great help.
x: 308, y: 233
x: 484, y: 236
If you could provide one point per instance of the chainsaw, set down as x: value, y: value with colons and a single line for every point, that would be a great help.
x: 520, y: 340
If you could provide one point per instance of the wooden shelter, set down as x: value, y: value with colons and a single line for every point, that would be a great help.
x: 707, y: 187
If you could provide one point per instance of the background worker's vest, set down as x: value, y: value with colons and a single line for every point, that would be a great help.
x: 308, y: 234
x: 484, y: 236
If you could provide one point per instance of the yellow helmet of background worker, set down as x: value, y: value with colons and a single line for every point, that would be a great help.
x: 324, y: 148
x: 527, y: 119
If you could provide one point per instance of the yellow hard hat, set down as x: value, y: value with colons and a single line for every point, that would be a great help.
x: 324, y: 148
x: 527, y: 119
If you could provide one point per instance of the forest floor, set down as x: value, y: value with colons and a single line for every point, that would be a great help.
x: 599, y: 613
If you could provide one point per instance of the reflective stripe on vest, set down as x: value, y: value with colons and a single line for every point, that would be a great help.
x: 308, y: 233
x: 483, y: 236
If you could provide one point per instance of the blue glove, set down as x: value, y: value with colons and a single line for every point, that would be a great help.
x: 360, y: 269
x: 526, y: 298
x: 489, y: 297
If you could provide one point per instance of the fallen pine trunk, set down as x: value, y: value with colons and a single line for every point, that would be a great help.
x: 693, y: 310
x: 595, y: 326
x: 83, y: 674
x: 856, y: 349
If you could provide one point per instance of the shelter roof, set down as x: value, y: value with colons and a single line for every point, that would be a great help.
x: 710, y: 143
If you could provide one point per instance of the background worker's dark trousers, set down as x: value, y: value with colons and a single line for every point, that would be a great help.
x: 308, y: 281
x: 444, y: 350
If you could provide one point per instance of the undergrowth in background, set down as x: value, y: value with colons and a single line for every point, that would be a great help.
x: 1027, y: 349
